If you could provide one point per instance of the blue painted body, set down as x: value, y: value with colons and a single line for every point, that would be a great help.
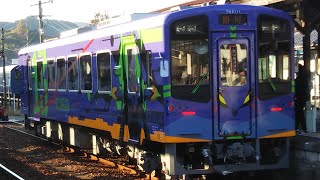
x: 212, y: 120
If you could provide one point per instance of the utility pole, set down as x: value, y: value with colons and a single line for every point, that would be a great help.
x: 41, y: 32
x: 27, y: 31
x: 4, y: 71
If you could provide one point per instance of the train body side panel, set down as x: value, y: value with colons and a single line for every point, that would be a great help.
x: 102, y: 111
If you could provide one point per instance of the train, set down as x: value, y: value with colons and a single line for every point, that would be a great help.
x: 8, y: 69
x: 193, y: 92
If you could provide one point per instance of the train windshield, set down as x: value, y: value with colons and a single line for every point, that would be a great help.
x: 190, y: 59
x: 274, y: 57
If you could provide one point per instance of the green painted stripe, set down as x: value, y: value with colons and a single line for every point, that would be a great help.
x: 128, y: 39
x: 144, y: 106
x: 293, y: 86
x: 234, y: 137
x: 233, y: 35
x: 167, y: 94
x: 119, y: 105
x: 233, y: 28
x: 152, y: 35
x: 167, y: 87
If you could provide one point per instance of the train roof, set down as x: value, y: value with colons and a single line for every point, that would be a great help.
x: 142, y: 22
x: 151, y: 20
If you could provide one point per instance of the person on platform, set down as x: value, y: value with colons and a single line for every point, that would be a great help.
x: 301, y: 97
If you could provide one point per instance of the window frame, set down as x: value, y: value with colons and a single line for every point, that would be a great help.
x: 65, y: 69
x: 97, y: 71
x: 80, y: 80
x: 55, y: 78
x: 182, y: 92
x: 147, y: 62
x: 68, y: 72
x: 134, y: 53
x: 273, y: 87
x: 40, y: 89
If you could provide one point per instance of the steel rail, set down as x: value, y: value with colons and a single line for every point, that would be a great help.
x: 8, y: 171
x: 43, y: 139
x: 104, y: 161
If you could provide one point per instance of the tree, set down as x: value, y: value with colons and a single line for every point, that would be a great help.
x: 99, y: 17
x: 21, y: 28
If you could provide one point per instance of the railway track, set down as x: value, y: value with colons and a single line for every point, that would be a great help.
x: 8, y: 174
x: 114, y: 163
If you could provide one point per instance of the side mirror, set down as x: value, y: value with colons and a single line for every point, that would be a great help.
x: 164, y: 68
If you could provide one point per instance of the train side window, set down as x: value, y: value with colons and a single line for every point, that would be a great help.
x: 30, y: 74
x: 146, y: 58
x: 132, y: 73
x: 104, y: 71
x: 40, y: 75
x: 73, y: 83
x: 86, y: 72
x: 61, y: 73
x: 51, y: 74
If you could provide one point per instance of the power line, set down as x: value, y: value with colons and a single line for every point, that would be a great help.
x: 29, y: 41
x: 59, y: 30
x: 56, y: 24
x: 65, y: 25
x: 61, y: 25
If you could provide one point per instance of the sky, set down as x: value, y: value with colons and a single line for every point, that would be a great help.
x: 77, y: 10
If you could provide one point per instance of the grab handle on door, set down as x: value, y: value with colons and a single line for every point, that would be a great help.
x: 221, y: 89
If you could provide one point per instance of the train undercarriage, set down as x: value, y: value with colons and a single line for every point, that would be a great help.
x: 175, y: 160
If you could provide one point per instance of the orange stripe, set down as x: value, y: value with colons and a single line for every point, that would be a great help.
x: 283, y: 134
x: 160, y: 136
x: 142, y: 136
x: 97, y: 123
x: 126, y: 134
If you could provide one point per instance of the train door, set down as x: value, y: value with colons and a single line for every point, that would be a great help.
x: 133, y: 107
x: 234, y: 85
x: 30, y: 95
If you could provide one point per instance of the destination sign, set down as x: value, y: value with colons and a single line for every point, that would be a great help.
x: 233, y: 19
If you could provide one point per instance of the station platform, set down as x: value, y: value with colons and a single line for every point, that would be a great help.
x: 306, y: 146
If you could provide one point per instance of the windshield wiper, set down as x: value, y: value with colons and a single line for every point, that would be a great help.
x: 273, y: 86
x: 203, y: 77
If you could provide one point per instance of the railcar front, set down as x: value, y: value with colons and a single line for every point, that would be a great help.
x: 230, y: 100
